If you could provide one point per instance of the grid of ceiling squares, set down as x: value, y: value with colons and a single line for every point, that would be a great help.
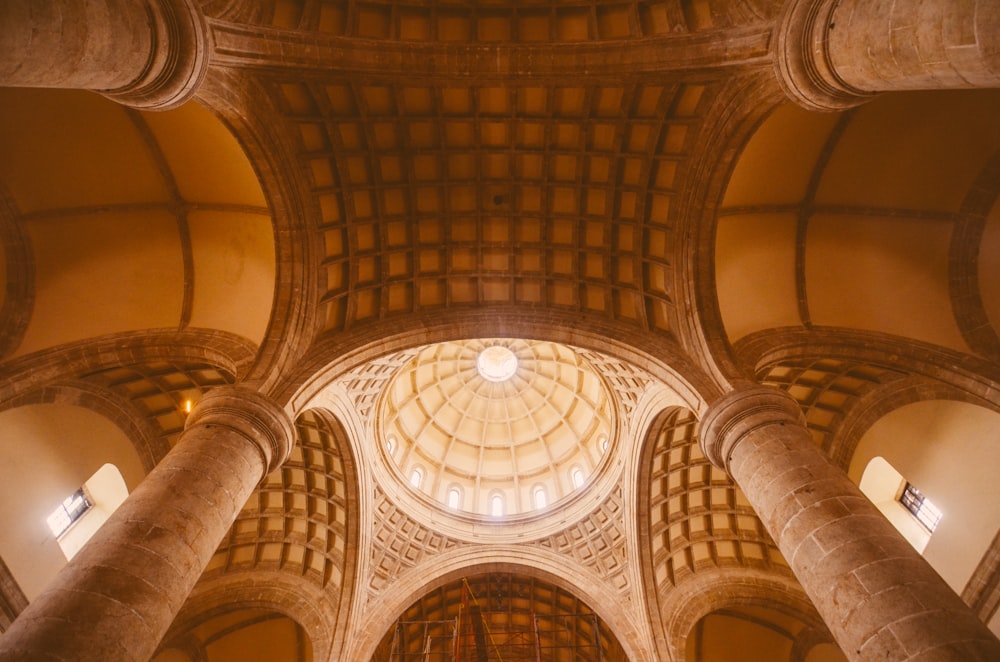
x: 296, y: 520
x: 399, y: 543
x: 598, y: 542
x: 446, y: 194
x: 161, y: 390
x: 825, y: 389
x: 698, y: 518
x: 534, y: 21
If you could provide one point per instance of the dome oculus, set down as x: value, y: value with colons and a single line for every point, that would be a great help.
x: 496, y: 363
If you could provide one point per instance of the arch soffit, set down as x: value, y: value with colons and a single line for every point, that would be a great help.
x: 358, y: 510
x: 909, y: 372
x: 737, y: 113
x: 723, y: 588
x: 642, y: 521
x: 227, y: 352
x: 43, y: 378
x: 294, y: 321
x: 292, y: 595
x: 975, y: 378
x: 966, y: 244
x: 451, y: 566
x: 149, y: 445
x: 881, y: 401
x: 15, y: 311
x: 340, y: 598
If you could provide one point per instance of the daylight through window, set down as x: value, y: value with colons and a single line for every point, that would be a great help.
x: 921, y: 507
x: 496, y: 505
x: 454, y: 498
x: 540, y: 496
x: 70, y: 510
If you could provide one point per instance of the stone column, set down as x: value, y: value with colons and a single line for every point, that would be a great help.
x: 834, y: 54
x: 117, y: 597
x: 148, y: 54
x: 879, y: 597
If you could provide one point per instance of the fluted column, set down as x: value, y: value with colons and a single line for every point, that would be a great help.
x: 149, y: 54
x: 833, y: 54
x: 880, y: 599
x: 117, y: 597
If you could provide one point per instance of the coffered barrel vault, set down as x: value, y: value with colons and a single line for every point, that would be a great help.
x: 595, y: 330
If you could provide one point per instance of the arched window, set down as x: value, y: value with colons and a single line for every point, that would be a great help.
x: 390, y: 444
x: 540, y: 497
x: 454, y: 497
x: 416, y: 477
x: 602, y: 441
x: 576, y: 474
x: 496, y: 505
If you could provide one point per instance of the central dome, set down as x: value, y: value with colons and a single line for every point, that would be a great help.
x: 496, y: 427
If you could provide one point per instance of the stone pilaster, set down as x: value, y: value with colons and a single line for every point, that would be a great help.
x: 117, y: 597
x: 148, y: 54
x: 880, y: 599
x: 834, y: 54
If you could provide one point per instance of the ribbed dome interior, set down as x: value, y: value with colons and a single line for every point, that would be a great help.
x: 464, y: 437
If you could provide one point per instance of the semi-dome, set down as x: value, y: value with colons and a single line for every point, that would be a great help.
x: 496, y: 426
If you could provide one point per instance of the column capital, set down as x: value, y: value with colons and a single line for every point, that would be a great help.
x: 731, y: 418
x: 178, y: 61
x: 805, y: 70
x: 253, y: 415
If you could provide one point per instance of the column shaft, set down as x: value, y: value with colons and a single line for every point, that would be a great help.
x: 143, y: 53
x: 116, y: 599
x: 879, y: 597
x: 76, y: 44
x: 916, y: 45
x: 834, y: 54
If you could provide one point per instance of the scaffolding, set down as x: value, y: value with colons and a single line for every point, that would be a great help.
x: 475, y: 635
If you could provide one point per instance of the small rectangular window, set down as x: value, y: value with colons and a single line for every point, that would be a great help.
x: 70, y: 510
x: 921, y: 507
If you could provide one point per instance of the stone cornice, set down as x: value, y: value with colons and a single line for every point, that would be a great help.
x: 261, y: 48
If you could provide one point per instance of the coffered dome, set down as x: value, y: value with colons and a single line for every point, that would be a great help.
x: 496, y: 427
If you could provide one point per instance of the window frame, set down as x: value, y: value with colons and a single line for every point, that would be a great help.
x: 82, y: 504
x: 918, y: 505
